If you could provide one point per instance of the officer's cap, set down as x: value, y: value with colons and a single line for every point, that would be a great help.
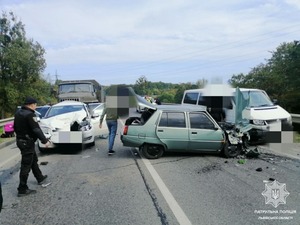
x: 30, y: 100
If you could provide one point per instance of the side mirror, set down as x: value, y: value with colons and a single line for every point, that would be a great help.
x: 275, y: 101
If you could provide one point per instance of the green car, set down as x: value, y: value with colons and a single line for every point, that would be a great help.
x: 176, y: 128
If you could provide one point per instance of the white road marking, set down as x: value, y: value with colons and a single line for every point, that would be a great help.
x: 174, y: 206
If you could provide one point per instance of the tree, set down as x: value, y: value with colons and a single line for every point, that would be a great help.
x: 285, y: 64
x: 21, y: 64
x: 141, y: 85
x: 279, y: 76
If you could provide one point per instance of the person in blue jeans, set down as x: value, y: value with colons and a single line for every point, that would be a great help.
x: 118, y: 100
x: 112, y: 126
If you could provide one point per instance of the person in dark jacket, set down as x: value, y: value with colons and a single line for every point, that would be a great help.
x: 27, y: 132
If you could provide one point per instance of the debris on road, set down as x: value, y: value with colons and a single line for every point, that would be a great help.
x: 45, y: 185
x: 259, y: 169
x: 44, y: 163
x: 242, y: 161
x: 252, y: 153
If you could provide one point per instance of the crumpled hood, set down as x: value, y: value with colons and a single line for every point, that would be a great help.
x: 63, y: 122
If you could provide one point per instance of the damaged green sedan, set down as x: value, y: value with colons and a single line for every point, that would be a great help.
x: 178, y: 128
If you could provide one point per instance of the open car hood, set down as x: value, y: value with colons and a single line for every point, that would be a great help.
x: 64, y: 121
x: 144, y: 103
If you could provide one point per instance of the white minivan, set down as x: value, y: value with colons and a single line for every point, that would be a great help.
x: 221, y: 101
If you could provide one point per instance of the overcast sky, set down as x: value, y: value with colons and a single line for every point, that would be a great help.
x: 118, y: 41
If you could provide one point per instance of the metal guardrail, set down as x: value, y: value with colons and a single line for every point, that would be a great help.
x: 4, y: 121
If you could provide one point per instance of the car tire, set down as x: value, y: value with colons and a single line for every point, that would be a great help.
x: 231, y: 151
x: 151, y: 151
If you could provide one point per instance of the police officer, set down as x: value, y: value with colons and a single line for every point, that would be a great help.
x: 27, y: 132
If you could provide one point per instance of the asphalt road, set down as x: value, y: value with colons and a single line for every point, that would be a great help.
x: 90, y: 187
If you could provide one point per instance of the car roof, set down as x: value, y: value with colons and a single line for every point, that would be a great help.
x: 219, y: 90
x: 180, y: 107
x: 63, y: 103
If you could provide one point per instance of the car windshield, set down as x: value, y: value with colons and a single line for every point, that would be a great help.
x: 42, y: 110
x: 58, y: 110
x: 67, y: 88
x: 257, y: 98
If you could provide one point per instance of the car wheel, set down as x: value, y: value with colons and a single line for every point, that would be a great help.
x: 231, y: 151
x: 152, y: 151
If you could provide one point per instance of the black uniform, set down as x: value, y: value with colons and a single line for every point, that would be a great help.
x: 28, y: 131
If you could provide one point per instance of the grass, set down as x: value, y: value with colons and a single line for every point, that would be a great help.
x: 296, y: 137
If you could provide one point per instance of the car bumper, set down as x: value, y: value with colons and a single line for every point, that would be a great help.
x: 130, y: 141
x: 70, y: 137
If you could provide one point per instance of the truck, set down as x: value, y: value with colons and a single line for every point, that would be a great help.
x: 87, y: 91
x: 257, y: 109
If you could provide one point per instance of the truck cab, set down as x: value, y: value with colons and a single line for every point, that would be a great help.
x: 86, y: 91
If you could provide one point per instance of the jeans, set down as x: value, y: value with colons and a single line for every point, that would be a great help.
x: 112, y: 126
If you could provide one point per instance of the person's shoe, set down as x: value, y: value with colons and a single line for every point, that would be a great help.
x: 27, y: 192
x: 111, y: 152
x: 40, y: 182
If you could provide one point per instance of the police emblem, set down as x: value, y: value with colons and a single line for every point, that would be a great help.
x: 275, y: 193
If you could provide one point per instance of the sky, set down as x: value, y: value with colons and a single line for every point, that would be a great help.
x: 172, y: 41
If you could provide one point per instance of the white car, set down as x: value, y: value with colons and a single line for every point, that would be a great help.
x: 69, y: 122
x: 96, y: 109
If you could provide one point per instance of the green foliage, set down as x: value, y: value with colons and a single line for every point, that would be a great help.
x: 21, y: 65
x: 166, y: 92
x: 279, y: 76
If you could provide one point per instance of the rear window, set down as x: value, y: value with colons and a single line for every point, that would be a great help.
x: 191, y: 98
x: 172, y: 119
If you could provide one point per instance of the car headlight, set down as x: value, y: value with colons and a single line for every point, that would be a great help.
x: 85, y: 126
x: 258, y: 122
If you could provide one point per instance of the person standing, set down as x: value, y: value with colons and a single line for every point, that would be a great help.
x: 112, y: 125
x: 27, y: 132
x: 119, y: 99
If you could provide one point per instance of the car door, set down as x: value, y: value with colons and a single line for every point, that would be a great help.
x: 204, y: 135
x: 95, y: 120
x: 172, y: 130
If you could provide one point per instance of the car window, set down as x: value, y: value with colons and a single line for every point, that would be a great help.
x: 191, y: 98
x: 172, y: 119
x: 200, y: 121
